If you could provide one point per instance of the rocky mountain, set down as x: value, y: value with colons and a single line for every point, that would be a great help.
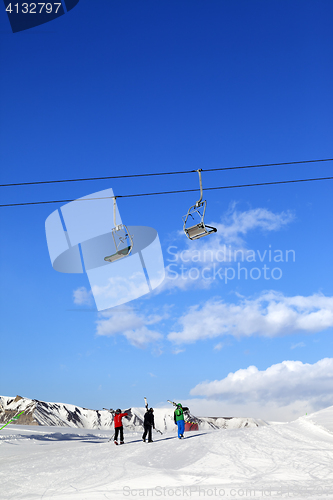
x: 66, y: 415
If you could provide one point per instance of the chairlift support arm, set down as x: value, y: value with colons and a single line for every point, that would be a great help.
x: 198, y: 203
x: 114, y: 213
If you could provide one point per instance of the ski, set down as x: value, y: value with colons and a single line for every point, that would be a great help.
x: 14, y: 418
x: 171, y: 402
x: 110, y: 410
x: 129, y: 414
x: 146, y: 405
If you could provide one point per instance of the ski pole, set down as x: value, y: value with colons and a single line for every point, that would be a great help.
x: 14, y: 418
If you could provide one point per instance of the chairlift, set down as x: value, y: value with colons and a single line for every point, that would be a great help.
x: 197, y: 212
x: 122, y: 239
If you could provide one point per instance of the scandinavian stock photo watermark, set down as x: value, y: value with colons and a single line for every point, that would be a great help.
x: 227, y: 264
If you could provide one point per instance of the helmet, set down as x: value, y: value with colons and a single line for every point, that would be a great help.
x: 151, y: 410
x: 118, y: 411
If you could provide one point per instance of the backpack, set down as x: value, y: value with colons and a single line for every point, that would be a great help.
x: 179, y: 412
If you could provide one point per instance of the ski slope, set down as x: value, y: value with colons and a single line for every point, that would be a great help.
x: 289, y: 460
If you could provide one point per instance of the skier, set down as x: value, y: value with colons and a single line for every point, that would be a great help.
x: 179, y: 419
x: 118, y: 426
x: 148, y: 424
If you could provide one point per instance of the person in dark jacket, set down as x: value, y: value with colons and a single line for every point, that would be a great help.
x: 179, y: 419
x: 118, y: 426
x: 149, y: 424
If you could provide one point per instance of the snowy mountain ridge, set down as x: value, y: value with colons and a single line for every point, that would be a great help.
x: 66, y: 415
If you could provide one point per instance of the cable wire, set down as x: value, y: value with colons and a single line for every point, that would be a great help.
x: 162, y: 173
x: 168, y: 192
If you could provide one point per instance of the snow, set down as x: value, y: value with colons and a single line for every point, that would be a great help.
x: 289, y: 460
x: 322, y: 418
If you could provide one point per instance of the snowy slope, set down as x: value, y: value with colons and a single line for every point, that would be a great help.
x: 42, y: 413
x: 322, y: 419
x: 292, y: 460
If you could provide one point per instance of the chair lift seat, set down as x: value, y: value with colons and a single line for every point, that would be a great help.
x: 199, y: 230
x: 118, y: 255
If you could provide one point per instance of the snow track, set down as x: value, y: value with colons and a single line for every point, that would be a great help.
x: 293, y: 460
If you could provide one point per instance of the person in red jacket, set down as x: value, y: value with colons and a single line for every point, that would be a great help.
x: 118, y: 426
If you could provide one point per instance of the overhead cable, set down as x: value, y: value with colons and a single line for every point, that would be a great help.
x: 168, y: 192
x: 162, y: 173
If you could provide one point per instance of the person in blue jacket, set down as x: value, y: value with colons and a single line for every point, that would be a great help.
x: 179, y: 419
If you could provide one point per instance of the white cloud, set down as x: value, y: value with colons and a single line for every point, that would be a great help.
x: 270, y: 315
x: 123, y: 320
x: 82, y: 296
x: 299, y: 344
x: 141, y: 337
x: 236, y: 224
x: 120, y: 289
x: 178, y: 351
x: 224, y: 247
x: 271, y: 411
x: 292, y: 386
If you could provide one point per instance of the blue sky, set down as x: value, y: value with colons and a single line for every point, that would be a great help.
x: 129, y: 87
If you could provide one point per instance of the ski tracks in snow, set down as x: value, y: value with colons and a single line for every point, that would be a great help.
x: 282, y: 461
x: 289, y: 459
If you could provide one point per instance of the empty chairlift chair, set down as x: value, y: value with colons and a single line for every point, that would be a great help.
x: 122, y: 239
x: 197, y: 213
